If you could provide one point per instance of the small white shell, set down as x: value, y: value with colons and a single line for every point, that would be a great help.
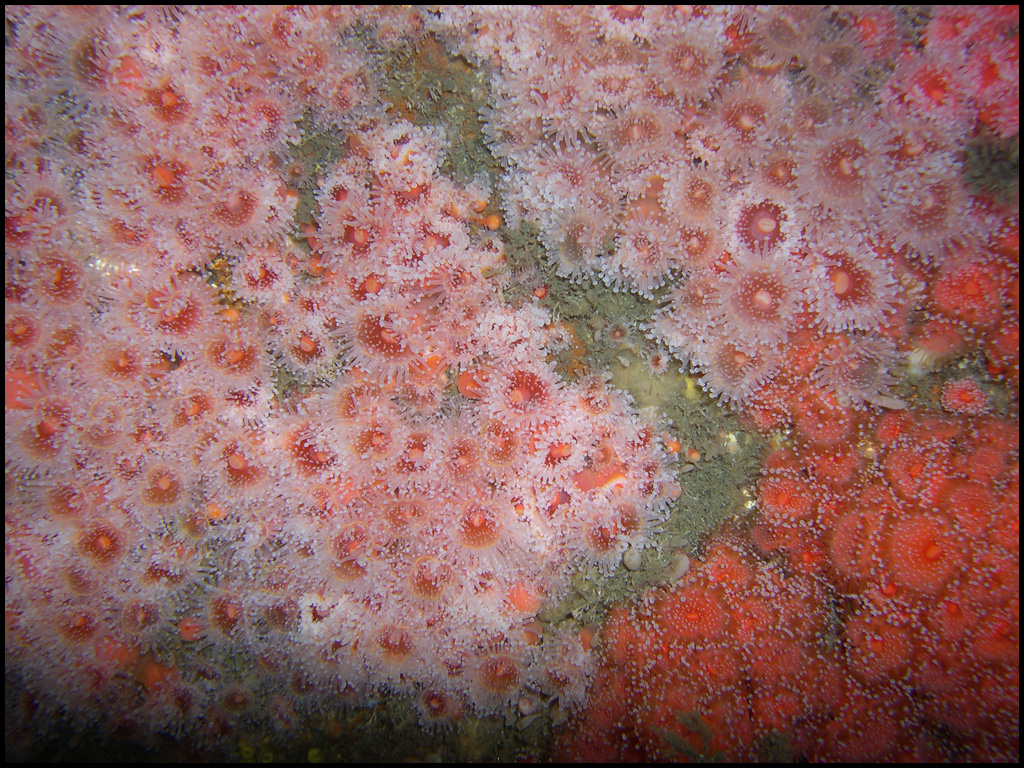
x: 679, y: 567
x: 632, y: 559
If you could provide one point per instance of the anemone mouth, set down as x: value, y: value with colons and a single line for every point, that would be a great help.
x: 834, y: 65
x: 695, y: 198
x: 502, y: 443
x: 566, y: 174
x: 735, y: 373
x: 499, y: 674
x: 464, y: 459
x: 350, y: 548
x: 237, y: 466
x: 931, y: 215
x: 227, y: 614
x: 842, y: 168
x: 760, y: 298
x: 964, y: 396
x: 646, y: 253
x: 525, y: 392
x: 309, y: 453
x: 430, y: 577
x: 745, y: 120
x: 60, y: 279
x: 480, y: 525
x: 163, y: 487
x: 762, y: 224
x: 375, y: 340
x: 636, y: 135
x: 576, y: 239
x: 523, y: 396
x: 235, y: 360
x: 852, y: 289
x: 682, y: 323
x: 102, y: 543
x: 264, y: 275
x: 245, y: 209
x: 690, y: 64
x: 858, y: 369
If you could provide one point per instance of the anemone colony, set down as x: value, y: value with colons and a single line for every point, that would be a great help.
x: 255, y: 469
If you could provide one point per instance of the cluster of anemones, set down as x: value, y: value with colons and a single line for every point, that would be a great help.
x: 811, y: 242
x: 874, y: 617
x: 355, y: 470
x: 244, y: 477
x: 180, y: 132
x: 718, y: 150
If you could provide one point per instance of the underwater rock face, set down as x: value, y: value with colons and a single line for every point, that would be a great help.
x: 293, y: 421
